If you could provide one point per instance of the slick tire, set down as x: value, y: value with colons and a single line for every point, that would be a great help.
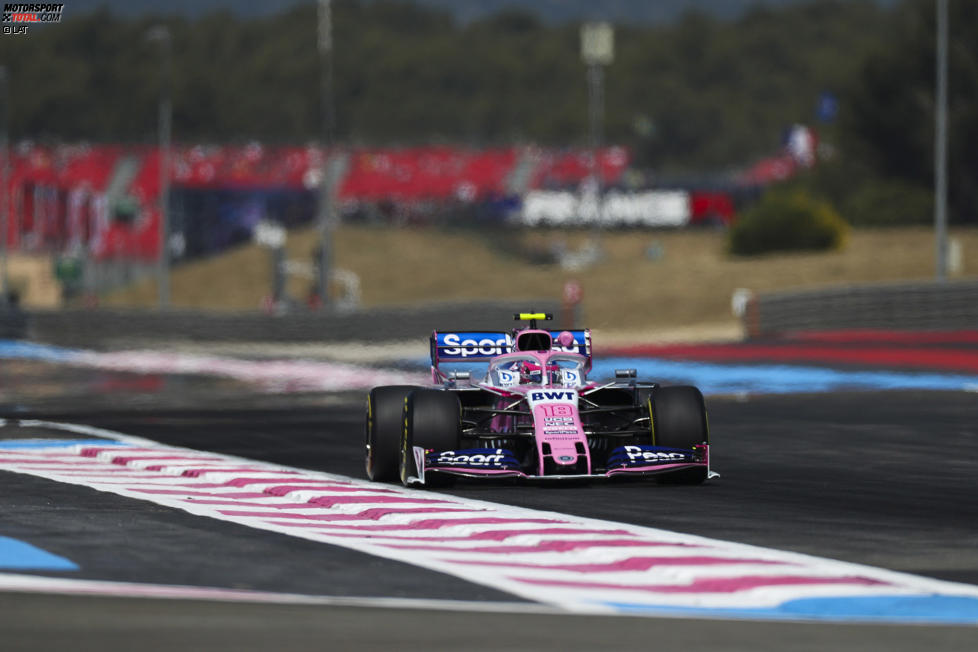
x: 431, y: 419
x: 383, y: 431
x: 679, y: 421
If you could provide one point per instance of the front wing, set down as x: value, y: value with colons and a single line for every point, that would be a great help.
x: 501, y: 463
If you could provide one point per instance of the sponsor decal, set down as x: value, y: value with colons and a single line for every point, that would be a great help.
x: 561, y: 431
x: 637, y: 454
x: 579, y: 345
x: 645, y: 455
x: 480, y: 458
x: 558, y: 421
x: 570, y: 377
x: 507, y: 378
x: 553, y: 396
x: 566, y: 458
x: 573, y: 347
x: 473, y: 345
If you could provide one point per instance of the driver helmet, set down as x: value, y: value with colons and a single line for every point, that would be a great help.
x: 532, y: 373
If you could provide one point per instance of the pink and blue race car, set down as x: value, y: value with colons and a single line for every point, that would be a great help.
x: 532, y: 413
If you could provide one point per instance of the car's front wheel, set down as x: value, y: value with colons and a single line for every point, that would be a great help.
x: 432, y: 420
x: 383, y: 431
x: 679, y: 421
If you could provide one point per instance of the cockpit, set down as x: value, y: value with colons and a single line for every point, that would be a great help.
x: 544, y: 369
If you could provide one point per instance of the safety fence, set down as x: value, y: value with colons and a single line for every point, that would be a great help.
x: 925, y: 305
x: 106, y: 327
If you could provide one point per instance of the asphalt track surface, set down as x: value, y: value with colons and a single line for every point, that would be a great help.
x: 885, y: 479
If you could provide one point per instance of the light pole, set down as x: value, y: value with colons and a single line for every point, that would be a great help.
x: 597, y: 51
x: 326, y: 203
x: 940, y: 143
x: 595, y: 86
x: 161, y: 34
x: 5, y: 182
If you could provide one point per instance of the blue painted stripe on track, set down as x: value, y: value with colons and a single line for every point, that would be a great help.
x: 711, y: 378
x: 57, y: 443
x: 714, y: 378
x: 23, y: 350
x: 20, y: 555
x: 944, y: 609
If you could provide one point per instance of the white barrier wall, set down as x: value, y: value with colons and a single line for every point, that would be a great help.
x: 659, y: 208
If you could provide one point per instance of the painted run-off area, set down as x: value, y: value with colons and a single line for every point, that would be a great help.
x: 573, y: 563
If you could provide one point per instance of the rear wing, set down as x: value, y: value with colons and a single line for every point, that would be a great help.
x: 477, y: 346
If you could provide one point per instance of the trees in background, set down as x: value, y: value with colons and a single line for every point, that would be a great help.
x: 701, y: 92
x: 891, y: 120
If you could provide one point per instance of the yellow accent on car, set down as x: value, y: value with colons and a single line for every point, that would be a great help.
x: 533, y: 315
x: 651, y: 419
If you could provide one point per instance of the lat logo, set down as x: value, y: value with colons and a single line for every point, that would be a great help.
x: 17, y: 16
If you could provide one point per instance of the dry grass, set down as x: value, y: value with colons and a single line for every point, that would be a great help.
x: 32, y: 277
x: 690, y: 284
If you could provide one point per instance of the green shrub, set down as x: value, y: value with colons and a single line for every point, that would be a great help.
x: 889, y: 203
x: 787, y: 221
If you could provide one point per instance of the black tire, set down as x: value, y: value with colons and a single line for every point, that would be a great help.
x: 385, y: 406
x: 431, y: 419
x: 679, y: 421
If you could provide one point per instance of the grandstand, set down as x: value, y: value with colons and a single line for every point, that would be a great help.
x: 101, y: 201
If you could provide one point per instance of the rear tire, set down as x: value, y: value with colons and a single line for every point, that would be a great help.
x: 432, y: 420
x: 679, y: 421
x: 385, y: 406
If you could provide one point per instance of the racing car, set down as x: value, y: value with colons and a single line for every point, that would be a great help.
x: 533, y: 414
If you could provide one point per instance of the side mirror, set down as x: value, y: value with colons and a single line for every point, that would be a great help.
x: 625, y: 373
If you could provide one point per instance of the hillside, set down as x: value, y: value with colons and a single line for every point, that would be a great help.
x: 689, y: 284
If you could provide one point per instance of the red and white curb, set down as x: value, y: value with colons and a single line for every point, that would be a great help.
x: 568, y: 562
x: 272, y: 375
